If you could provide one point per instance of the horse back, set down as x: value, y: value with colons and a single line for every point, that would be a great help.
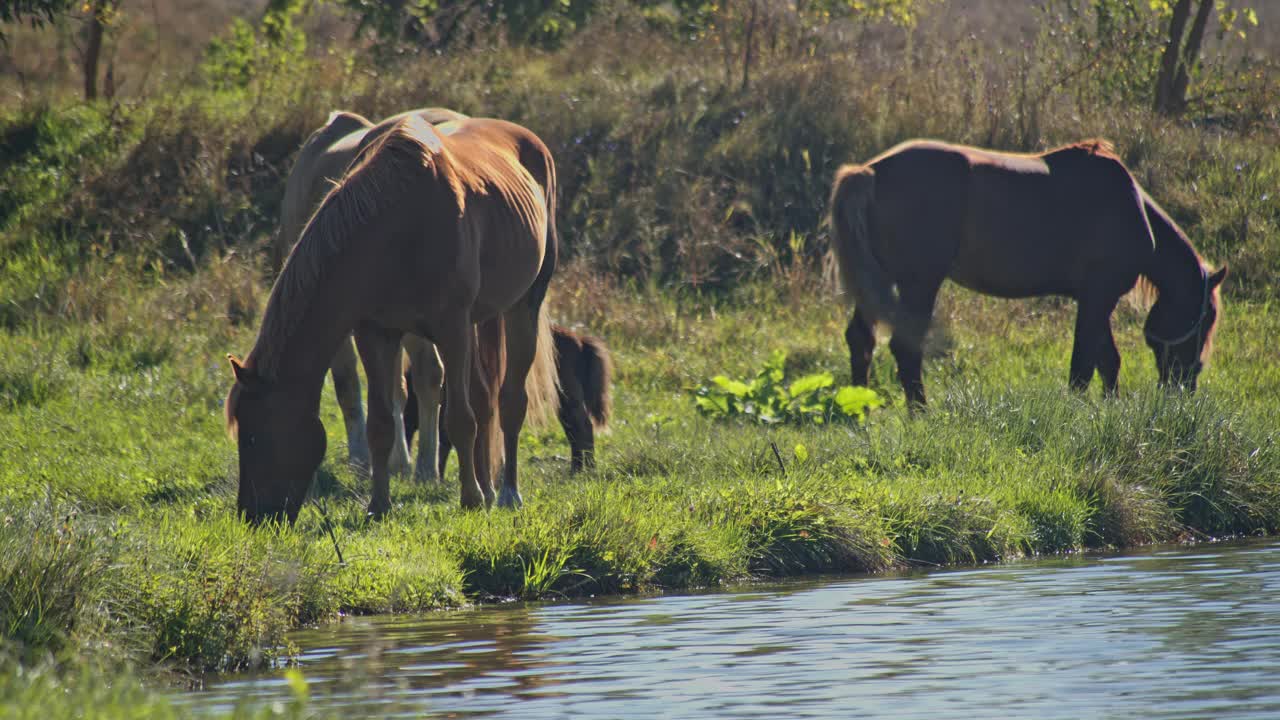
x: 508, y: 180
x: 1008, y: 224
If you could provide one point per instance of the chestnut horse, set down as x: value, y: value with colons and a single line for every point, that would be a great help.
x: 1070, y: 222
x: 448, y: 234
x: 321, y: 162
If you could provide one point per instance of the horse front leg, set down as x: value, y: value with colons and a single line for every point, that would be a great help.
x: 907, y: 343
x: 400, y: 462
x: 346, y: 386
x: 1109, y: 362
x: 1094, y: 348
x: 576, y: 422
x: 428, y: 386
x: 380, y: 352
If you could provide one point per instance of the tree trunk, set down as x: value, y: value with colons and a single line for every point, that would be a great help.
x: 92, y: 51
x: 1190, y: 56
x: 750, y: 45
x: 1169, y: 60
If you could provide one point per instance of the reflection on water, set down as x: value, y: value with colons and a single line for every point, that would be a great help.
x: 1168, y: 634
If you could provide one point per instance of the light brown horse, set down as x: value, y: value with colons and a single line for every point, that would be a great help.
x: 1070, y: 221
x: 448, y: 234
x: 321, y: 162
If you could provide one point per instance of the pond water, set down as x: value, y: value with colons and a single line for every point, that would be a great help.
x: 1169, y: 633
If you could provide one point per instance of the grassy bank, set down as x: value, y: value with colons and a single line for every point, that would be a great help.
x: 118, y: 528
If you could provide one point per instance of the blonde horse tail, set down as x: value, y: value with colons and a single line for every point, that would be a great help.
x: 864, y: 280
x: 542, y: 385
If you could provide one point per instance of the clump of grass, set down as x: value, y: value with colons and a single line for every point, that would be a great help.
x: 1214, y: 469
x: 396, y: 568
x: 217, y: 595
x: 790, y: 529
x: 52, y: 568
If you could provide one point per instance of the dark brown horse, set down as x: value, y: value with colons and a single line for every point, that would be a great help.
x: 446, y: 234
x: 1070, y: 222
x: 585, y: 370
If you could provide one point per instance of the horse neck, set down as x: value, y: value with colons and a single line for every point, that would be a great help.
x: 1175, y: 268
x: 301, y: 357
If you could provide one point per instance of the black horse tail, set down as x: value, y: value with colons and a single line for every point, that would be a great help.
x: 597, y: 379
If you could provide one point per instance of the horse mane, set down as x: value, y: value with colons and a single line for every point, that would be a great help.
x: 1090, y: 147
x: 1145, y: 291
x: 229, y: 411
x: 1212, y: 330
x: 376, y: 184
x: 1096, y: 146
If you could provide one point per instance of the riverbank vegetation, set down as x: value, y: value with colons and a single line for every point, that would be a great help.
x: 131, y: 261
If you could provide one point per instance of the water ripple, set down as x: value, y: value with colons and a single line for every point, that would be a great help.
x: 1166, y: 634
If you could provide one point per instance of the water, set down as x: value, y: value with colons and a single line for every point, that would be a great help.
x: 1186, y: 633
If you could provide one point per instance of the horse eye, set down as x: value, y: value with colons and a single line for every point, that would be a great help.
x: 250, y: 440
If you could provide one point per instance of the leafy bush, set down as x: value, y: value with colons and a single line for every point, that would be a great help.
x: 769, y: 399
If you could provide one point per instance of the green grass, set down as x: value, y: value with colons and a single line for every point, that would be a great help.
x: 119, y: 491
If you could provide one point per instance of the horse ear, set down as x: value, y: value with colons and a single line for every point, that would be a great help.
x: 1216, y: 279
x: 244, y: 375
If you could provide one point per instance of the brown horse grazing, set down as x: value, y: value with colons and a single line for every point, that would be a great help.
x: 585, y: 371
x: 446, y: 233
x: 321, y: 162
x: 1071, y: 222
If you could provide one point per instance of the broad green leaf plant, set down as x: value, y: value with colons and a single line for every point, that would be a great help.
x: 769, y: 399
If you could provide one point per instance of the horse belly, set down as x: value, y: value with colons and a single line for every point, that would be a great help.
x: 1011, y: 245
x: 1014, y: 261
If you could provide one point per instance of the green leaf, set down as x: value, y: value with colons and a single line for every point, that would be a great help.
x: 854, y: 401
x: 811, y: 383
x: 733, y: 387
x: 713, y: 405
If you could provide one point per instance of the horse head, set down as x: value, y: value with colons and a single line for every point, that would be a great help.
x: 281, y: 444
x: 1181, y: 334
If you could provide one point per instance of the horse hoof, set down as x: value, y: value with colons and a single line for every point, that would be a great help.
x: 426, y: 478
x: 510, y: 499
x: 378, y: 511
x: 473, y: 500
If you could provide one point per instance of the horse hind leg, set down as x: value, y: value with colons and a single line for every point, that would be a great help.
x: 428, y: 381
x: 456, y: 342
x: 486, y: 374
x: 522, y: 328
x: 860, y: 336
x: 346, y: 386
